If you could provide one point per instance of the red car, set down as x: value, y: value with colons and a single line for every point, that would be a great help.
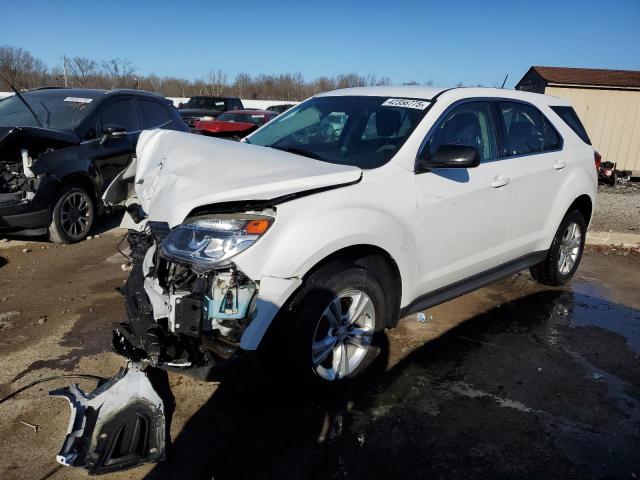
x: 235, y: 124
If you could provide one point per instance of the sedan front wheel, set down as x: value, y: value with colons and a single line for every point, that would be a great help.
x: 72, y: 217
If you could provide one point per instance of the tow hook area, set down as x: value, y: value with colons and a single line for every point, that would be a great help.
x: 121, y: 424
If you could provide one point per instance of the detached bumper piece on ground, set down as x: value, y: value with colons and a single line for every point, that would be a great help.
x: 119, y: 425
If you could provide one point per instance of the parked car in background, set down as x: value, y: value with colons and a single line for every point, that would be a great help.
x: 235, y: 125
x: 200, y: 107
x: 280, y: 108
x: 306, y: 245
x: 60, y: 148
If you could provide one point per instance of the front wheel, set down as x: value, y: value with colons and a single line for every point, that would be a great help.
x: 335, y: 324
x: 72, y: 217
x: 565, y: 253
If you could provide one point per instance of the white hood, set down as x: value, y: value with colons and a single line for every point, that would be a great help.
x: 177, y: 172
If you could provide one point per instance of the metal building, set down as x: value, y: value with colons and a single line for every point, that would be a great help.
x: 607, y: 102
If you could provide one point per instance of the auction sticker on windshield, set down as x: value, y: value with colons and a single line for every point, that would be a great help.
x: 78, y: 100
x: 406, y: 103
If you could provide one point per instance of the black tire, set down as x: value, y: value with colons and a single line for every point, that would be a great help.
x: 299, y: 323
x: 77, y: 202
x: 548, y: 271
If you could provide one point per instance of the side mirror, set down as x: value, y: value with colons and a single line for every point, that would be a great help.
x: 112, y: 131
x: 451, y: 156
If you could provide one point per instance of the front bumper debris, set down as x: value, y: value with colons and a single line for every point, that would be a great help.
x: 121, y: 424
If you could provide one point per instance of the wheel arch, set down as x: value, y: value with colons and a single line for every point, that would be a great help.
x: 380, y: 263
x: 584, y: 205
x: 84, y: 181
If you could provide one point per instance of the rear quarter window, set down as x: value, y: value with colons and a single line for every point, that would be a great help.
x: 570, y: 117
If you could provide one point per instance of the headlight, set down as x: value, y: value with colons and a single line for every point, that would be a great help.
x: 209, y: 241
x: 207, y: 119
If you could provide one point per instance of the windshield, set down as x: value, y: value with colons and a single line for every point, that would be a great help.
x: 361, y: 131
x: 256, y: 119
x: 59, y: 109
x: 205, y: 103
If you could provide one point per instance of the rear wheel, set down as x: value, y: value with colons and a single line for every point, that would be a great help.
x: 334, y: 324
x: 72, y: 217
x: 565, y: 253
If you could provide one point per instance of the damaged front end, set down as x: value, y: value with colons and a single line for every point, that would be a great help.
x: 119, y: 425
x: 26, y: 184
x: 188, y: 305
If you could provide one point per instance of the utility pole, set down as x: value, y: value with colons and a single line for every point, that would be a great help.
x: 64, y: 70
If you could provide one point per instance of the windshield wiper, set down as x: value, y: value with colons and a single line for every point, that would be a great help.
x: 299, y: 151
x: 15, y: 90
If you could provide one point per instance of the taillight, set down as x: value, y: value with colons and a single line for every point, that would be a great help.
x: 598, y: 159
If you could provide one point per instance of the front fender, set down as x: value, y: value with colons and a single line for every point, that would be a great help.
x: 67, y: 163
x: 309, y: 229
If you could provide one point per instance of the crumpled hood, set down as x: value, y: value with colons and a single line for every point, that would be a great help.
x: 179, y: 171
x: 10, y: 134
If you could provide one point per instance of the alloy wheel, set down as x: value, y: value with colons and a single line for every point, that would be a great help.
x: 343, y: 335
x: 569, y: 248
x: 75, y: 214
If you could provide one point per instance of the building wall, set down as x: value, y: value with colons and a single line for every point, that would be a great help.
x: 612, y: 120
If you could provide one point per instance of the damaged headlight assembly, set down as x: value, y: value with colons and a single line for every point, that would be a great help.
x: 211, y: 241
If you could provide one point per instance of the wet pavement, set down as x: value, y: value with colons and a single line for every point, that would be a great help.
x: 516, y: 380
x: 545, y: 386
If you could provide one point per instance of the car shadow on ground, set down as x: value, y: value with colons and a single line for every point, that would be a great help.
x: 107, y: 222
x: 3, y: 262
x: 103, y: 223
x: 546, y: 386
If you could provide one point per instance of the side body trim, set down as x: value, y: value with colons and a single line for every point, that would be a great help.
x: 470, y: 284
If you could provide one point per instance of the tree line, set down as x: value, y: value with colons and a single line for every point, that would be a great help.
x: 24, y: 71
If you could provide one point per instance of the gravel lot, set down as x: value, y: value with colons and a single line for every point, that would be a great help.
x: 617, y: 209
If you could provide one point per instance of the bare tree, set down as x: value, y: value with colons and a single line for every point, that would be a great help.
x: 217, y: 80
x: 119, y: 72
x: 241, y: 83
x: 20, y: 68
x: 82, y: 69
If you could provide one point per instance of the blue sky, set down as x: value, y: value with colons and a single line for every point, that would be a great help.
x: 473, y: 41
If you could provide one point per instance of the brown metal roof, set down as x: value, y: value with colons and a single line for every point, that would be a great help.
x: 589, y: 76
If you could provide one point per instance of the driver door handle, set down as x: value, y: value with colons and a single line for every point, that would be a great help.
x: 499, y: 181
x: 559, y: 165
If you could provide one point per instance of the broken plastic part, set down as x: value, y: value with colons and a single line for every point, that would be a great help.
x: 119, y: 425
x: 27, y: 163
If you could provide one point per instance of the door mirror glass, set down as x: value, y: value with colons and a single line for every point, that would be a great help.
x: 112, y: 131
x: 452, y: 156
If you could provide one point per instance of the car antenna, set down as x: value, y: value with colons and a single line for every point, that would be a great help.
x: 505, y: 80
x: 19, y: 95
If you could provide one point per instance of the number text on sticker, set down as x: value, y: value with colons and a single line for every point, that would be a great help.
x: 406, y: 103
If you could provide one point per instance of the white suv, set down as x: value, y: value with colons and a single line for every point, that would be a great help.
x: 368, y: 204
x: 342, y: 215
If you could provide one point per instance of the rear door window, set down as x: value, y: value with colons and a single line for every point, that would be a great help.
x: 120, y: 113
x: 527, y: 131
x: 155, y: 115
x: 570, y: 117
